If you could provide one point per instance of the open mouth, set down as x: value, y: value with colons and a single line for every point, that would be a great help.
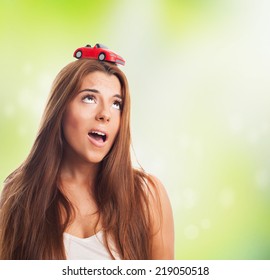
x: 98, y: 136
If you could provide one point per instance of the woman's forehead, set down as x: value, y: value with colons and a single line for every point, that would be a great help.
x: 101, y: 82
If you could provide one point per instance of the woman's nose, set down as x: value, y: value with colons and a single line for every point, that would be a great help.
x: 103, y: 115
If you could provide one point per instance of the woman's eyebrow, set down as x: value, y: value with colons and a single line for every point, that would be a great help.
x: 96, y: 91
x: 89, y: 89
x: 118, y: 96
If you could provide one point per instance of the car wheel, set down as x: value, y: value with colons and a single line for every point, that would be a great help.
x: 101, y: 56
x: 78, y: 54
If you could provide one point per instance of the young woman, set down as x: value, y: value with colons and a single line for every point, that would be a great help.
x: 77, y: 196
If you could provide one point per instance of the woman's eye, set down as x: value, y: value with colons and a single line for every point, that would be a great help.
x: 117, y: 105
x: 89, y: 99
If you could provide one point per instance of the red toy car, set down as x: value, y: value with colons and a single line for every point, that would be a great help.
x: 99, y: 52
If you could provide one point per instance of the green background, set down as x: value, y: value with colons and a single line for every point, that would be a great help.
x: 199, y: 78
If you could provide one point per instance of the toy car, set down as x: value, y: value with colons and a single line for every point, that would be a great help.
x: 99, y: 52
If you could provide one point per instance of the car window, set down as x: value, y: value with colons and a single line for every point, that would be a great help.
x: 101, y: 46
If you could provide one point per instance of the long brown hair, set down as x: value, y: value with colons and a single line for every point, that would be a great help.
x: 31, y: 225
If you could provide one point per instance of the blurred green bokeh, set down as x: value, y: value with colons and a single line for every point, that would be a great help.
x: 198, y: 73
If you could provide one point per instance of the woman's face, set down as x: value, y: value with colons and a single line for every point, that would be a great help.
x: 92, y: 119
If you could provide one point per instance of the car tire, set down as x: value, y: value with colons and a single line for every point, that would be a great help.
x: 101, y: 56
x: 78, y: 54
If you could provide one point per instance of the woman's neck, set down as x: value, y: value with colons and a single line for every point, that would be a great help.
x: 77, y: 173
x: 77, y: 184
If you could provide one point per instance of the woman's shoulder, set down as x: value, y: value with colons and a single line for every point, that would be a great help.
x: 153, y: 187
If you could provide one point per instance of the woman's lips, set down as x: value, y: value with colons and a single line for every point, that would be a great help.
x: 97, y: 140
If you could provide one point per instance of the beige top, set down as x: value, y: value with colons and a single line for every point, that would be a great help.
x: 90, y: 248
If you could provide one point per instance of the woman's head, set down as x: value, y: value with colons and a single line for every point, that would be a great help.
x: 70, y: 92
x: 92, y: 118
